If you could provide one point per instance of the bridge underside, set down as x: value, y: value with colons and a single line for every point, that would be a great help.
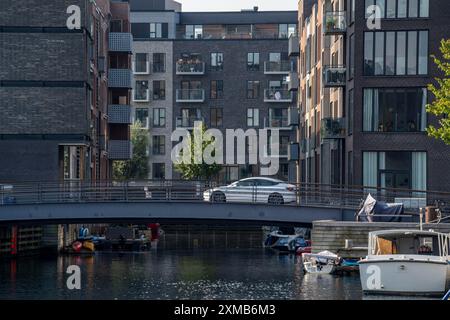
x: 169, y: 213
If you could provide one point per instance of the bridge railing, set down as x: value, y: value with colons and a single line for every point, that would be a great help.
x: 346, y: 197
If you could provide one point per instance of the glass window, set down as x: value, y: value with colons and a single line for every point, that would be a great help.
x: 159, y: 145
x: 423, y: 52
x: 352, y: 56
x: 159, y: 117
x: 424, y: 8
x: 382, y: 6
x: 155, y: 30
x: 217, y: 61
x: 379, y: 53
x: 216, y: 117
x: 141, y: 90
x: 368, y: 53
x: 351, y: 101
x: 252, y: 117
x: 390, y: 53
x: 413, y: 8
x: 159, y: 62
x: 253, y: 61
x: 141, y: 116
x: 140, y: 62
x: 253, y: 89
x: 401, y: 53
x: 412, y: 52
x: 282, y: 31
x: 402, y: 10
x: 159, y: 90
x: 367, y: 5
x: 189, y: 33
x: 391, y: 8
x: 159, y: 171
x: 217, y: 89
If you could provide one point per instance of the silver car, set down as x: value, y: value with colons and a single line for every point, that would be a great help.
x: 254, y: 190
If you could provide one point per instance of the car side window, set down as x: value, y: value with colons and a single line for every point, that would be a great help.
x: 265, y: 183
x: 247, y: 183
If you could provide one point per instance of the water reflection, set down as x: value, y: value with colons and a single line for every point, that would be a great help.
x: 210, y: 274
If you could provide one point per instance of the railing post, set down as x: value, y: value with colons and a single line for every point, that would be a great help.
x: 126, y: 192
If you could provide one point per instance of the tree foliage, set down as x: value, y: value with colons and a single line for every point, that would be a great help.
x: 203, y: 171
x: 440, y: 106
x: 137, y: 167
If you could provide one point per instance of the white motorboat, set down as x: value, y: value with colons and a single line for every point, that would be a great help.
x: 406, y: 262
x: 324, y: 262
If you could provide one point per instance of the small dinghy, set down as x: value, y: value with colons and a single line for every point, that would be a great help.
x: 324, y: 262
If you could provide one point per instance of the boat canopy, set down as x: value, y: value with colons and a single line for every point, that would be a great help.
x: 378, y: 211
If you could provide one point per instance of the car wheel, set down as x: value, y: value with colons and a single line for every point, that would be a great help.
x: 218, y: 197
x: 276, y: 199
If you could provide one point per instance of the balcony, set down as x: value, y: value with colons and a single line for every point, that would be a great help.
x: 294, y: 151
x: 141, y: 67
x: 119, y: 114
x: 142, y: 95
x: 293, y: 116
x: 293, y: 82
x: 335, y: 23
x: 190, y: 95
x: 335, y: 76
x: 294, y: 46
x: 333, y: 128
x: 190, y: 68
x: 188, y: 122
x: 277, y: 96
x: 120, y: 78
x: 120, y: 42
x: 277, y: 67
x: 119, y: 150
x: 277, y: 122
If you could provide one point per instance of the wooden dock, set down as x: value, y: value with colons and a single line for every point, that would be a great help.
x: 332, y: 235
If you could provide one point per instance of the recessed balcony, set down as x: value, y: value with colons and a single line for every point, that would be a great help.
x: 333, y: 128
x: 120, y: 42
x: 335, y: 76
x: 278, y: 96
x: 119, y: 149
x: 190, y: 68
x: 277, y: 122
x: 119, y: 78
x: 119, y: 114
x: 335, y: 23
x: 277, y: 67
x: 190, y: 95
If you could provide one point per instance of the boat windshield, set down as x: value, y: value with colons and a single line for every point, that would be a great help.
x: 413, y: 244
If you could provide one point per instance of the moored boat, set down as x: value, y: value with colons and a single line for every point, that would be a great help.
x: 324, y: 262
x: 406, y: 262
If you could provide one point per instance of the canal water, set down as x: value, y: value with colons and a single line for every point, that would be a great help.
x: 204, y: 274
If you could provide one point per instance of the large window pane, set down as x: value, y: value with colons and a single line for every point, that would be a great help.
x: 412, y: 52
x: 368, y: 4
x: 424, y: 8
x: 413, y: 8
x: 402, y: 11
x: 382, y: 6
x: 423, y: 52
x: 390, y: 53
x: 391, y: 6
x: 368, y: 53
x: 401, y: 53
x: 379, y: 53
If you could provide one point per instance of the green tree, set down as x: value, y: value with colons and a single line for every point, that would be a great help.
x: 203, y: 171
x: 440, y: 106
x: 137, y: 167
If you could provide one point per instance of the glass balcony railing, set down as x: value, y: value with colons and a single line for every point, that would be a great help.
x: 277, y: 67
x: 190, y: 95
x: 335, y: 23
x: 278, y: 122
x: 278, y: 95
x: 190, y: 68
x: 141, y: 67
x: 335, y: 76
x: 141, y: 95
x: 188, y: 122
x: 333, y: 128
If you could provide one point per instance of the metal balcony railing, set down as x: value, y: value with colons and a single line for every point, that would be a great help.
x: 333, y: 128
x: 190, y: 68
x: 120, y: 78
x: 119, y: 150
x: 335, y: 23
x: 120, y: 42
x: 190, y: 95
x: 277, y: 67
x: 335, y: 76
x: 120, y: 114
x: 293, y: 82
x: 294, y: 45
x: 277, y: 95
